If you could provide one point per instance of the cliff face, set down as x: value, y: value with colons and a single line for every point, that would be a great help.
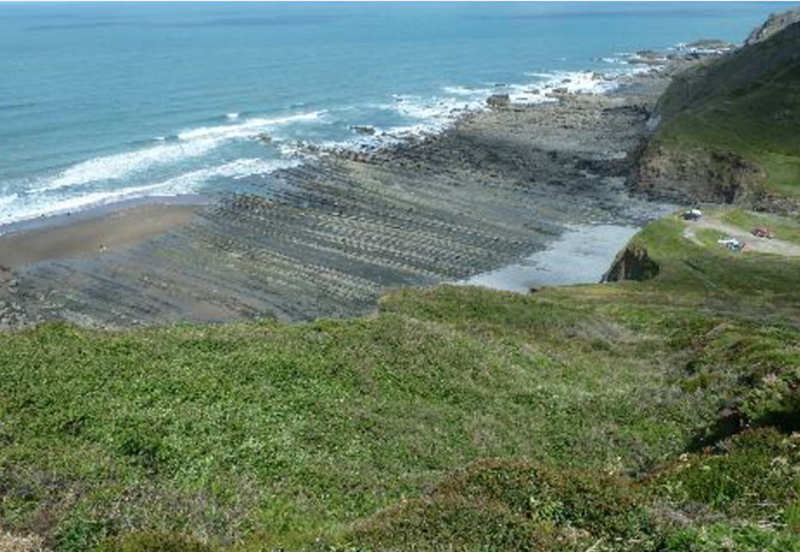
x: 699, y: 174
x: 729, y: 130
x: 632, y: 263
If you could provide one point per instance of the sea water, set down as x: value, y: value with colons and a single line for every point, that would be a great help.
x: 106, y: 102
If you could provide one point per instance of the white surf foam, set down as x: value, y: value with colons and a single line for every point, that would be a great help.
x: 579, y: 82
x: 542, y: 86
x: 434, y: 109
x: 429, y: 115
x: 8, y: 200
x: 432, y: 115
x: 241, y: 168
x: 190, y: 144
x: 121, y: 165
x: 36, y: 209
x: 188, y: 183
x: 467, y: 91
x: 249, y: 128
x: 614, y: 60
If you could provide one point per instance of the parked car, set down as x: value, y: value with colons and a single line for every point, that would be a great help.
x: 733, y: 244
x: 692, y: 214
x: 761, y: 233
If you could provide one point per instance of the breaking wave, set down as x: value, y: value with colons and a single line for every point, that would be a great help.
x: 16, y: 207
x: 189, y: 144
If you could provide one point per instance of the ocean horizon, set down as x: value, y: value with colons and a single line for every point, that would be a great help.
x: 101, y: 103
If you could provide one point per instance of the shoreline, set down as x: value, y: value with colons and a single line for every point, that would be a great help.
x: 326, y: 238
x: 634, y: 81
x: 559, y: 84
x: 62, y: 220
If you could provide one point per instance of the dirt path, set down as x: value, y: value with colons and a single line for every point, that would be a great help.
x: 762, y: 245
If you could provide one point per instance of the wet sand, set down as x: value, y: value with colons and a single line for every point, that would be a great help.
x: 580, y: 256
x: 93, y: 235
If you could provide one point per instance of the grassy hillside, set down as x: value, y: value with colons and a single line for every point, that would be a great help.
x: 650, y: 415
x: 729, y: 128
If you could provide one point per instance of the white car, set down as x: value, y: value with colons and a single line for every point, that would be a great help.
x: 692, y: 214
x: 732, y: 243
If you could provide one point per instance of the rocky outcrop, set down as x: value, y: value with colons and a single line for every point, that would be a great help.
x: 632, y: 263
x: 710, y: 45
x: 498, y: 100
x: 363, y: 129
x: 775, y: 24
x: 697, y: 175
x: 649, y: 57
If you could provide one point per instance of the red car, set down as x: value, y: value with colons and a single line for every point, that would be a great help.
x: 761, y: 233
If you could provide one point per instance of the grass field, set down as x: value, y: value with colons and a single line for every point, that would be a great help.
x: 644, y: 416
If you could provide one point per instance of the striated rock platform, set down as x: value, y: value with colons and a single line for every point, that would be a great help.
x: 326, y: 238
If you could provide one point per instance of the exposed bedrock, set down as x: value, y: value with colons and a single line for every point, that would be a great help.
x: 775, y: 24
x: 632, y: 263
x: 326, y: 238
x: 697, y: 175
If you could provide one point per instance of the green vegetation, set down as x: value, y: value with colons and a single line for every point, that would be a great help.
x: 638, y: 416
x: 746, y: 104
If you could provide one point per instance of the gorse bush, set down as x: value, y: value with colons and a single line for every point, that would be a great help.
x: 512, y: 505
x: 752, y: 475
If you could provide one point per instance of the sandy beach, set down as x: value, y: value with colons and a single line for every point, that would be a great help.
x: 94, y: 234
